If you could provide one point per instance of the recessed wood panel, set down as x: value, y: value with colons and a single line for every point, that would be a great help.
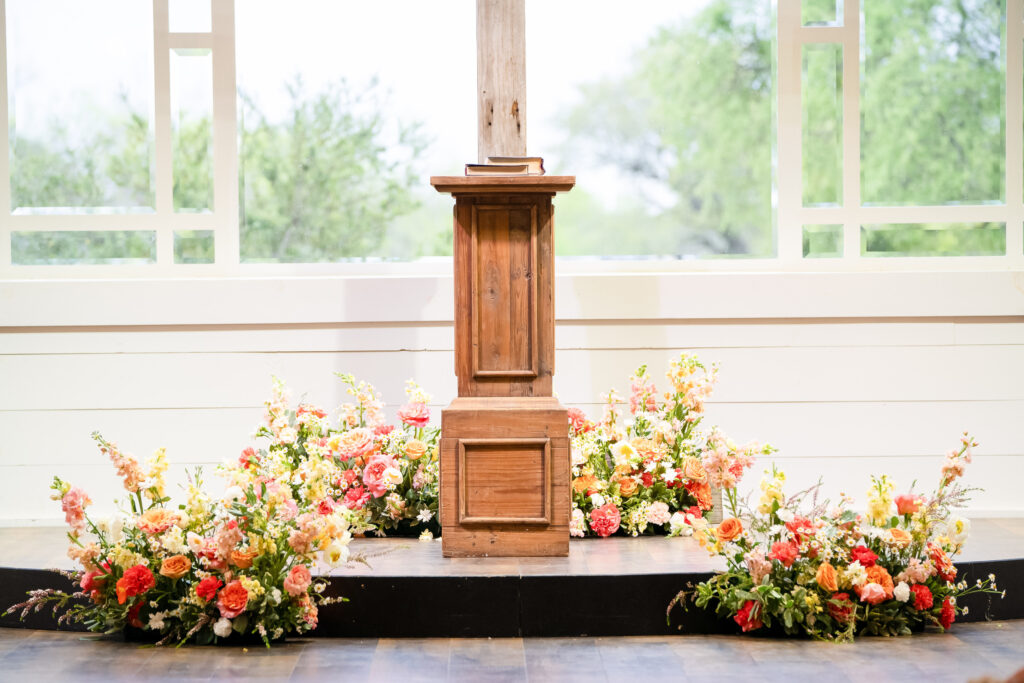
x: 504, y: 286
x: 504, y: 481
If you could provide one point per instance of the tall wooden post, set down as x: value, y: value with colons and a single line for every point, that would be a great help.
x: 504, y: 440
x: 501, y: 78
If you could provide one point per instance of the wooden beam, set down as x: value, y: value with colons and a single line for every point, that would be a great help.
x: 501, y: 77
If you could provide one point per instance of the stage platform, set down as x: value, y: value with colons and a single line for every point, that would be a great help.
x: 606, y: 587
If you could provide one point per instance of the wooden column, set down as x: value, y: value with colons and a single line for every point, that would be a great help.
x: 504, y: 440
x: 501, y: 78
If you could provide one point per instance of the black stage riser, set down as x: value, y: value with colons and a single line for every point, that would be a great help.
x: 523, y: 606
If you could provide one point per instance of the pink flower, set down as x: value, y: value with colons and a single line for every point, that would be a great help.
x: 872, y: 593
x: 374, y: 475
x: 232, y: 600
x: 299, y: 541
x: 658, y: 513
x: 605, y: 519
x: 414, y: 414
x: 297, y: 581
x: 758, y: 565
x: 73, y: 504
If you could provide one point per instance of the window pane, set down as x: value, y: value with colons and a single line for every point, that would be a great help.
x: 80, y: 82
x: 934, y: 239
x: 191, y: 129
x: 193, y: 246
x: 822, y: 12
x: 189, y: 16
x: 342, y: 123
x: 823, y: 241
x: 93, y: 247
x: 665, y: 117
x: 932, y: 91
x: 822, y: 130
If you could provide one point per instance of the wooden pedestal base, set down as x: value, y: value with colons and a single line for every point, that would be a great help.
x: 510, y: 493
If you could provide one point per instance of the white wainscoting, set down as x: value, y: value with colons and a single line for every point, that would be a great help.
x: 870, y: 388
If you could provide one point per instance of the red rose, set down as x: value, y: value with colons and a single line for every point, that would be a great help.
x: 840, y: 607
x: 948, y: 615
x: 136, y: 581
x: 785, y: 552
x: 208, y: 587
x: 922, y: 595
x: 605, y: 519
x: 863, y: 555
x: 747, y: 616
x: 232, y: 600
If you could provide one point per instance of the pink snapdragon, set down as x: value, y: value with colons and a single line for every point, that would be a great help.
x: 73, y: 503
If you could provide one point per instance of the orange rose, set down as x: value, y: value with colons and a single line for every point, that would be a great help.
x: 826, y: 577
x: 694, y: 471
x: 648, y: 449
x: 415, y: 449
x: 900, y: 538
x: 583, y: 483
x: 627, y: 487
x: 232, y: 600
x: 175, y: 567
x: 702, y: 493
x: 622, y: 471
x: 157, y: 520
x: 243, y: 558
x: 880, y: 575
x: 729, y: 529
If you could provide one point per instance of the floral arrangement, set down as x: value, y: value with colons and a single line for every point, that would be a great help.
x: 206, y: 568
x: 650, y: 470
x: 830, y: 573
x: 385, y: 475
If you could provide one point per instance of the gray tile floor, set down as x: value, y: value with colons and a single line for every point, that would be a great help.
x: 969, y: 651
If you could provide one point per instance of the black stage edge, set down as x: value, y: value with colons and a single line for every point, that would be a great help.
x: 521, y: 606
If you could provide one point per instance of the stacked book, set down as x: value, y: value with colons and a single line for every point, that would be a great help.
x: 508, y: 166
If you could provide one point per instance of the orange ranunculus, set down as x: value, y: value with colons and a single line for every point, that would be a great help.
x: 627, y: 487
x: 232, y: 600
x: 880, y: 575
x: 648, y: 449
x: 900, y: 537
x: 583, y: 483
x: 729, y: 529
x: 243, y: 558
x: 414, y: 449
x: 694, y: 471
x: 157, y: 520
x: 175, y: 567
x: 826, y: 577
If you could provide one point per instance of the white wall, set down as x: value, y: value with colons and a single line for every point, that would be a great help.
x: 842, y: 396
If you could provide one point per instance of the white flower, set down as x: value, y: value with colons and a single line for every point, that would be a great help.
x: 156, y: 620
x: 901, y: 592
x: 173, y: 541
x: 275, y: 596
x: 392, y: 476
x: 957, y: 529
x: 785, y: 515
x: 425, y: 515
x: 234, y: 494
x: 577, y: 456
x: 426, y: 535
x: 677, y: 521
x: 623, y: 453
x: 222, y: 628
x: 336, y: 553
x: 597, y: 500
x: 287, y: 435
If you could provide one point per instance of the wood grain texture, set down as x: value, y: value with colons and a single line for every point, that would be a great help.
x: 501, y: 78
x: 461, y: 185
x: 504, y: 481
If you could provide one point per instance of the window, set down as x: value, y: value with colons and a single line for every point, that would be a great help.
x: 213, y: 138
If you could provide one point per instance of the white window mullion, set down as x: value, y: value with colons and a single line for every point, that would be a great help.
x: 851, y: 129
x: 225, y: 139
x: 790, y: 233
x: 163, y: 174
x: 1014, y: 130
x: 5, y: 157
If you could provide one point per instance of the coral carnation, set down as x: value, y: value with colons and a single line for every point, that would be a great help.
x: 785, y: 552
x: 414, y: 414
x: 747, y: 616
x: 605, y: 519
x: 863, y: 555
x: 136, y: 581
x: 208, y: 587
x: 923, y: 598
x: 948, y: 615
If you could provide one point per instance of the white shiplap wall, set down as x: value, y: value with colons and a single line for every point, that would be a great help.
x: 842, y: 396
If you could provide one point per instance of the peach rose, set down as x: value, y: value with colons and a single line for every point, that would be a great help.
x: 702, y: 493
x: 175, y: 567
x: 694, y: 471
x: 355, y: 443
x: 583, y: 483
x: 415, y: 449
x: 243, y: 558
x: 648, y: 449
x: 297, y: 581
x: 627, y: 487
x: 872, y: 593
x: 729, y: 529
x: 157, y: 520
x: 232, y: 600
x: 900, y: 537
x: 826, y: 577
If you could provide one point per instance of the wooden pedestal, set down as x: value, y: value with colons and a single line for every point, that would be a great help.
x: 504, y: 440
